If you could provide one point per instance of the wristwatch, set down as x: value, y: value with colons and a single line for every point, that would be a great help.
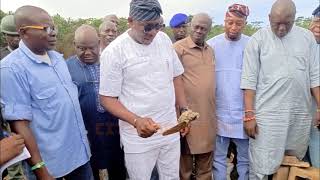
x: 183, y: 109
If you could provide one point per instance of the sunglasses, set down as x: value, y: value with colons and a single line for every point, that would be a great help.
x: 150, y: 27
x: 47, y: 29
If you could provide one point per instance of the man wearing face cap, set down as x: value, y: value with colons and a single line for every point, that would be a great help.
x: 229, y: 96
x: 179, y: 25
x: 141, y: 83
x: 280, y: 77
x: 314, y: 146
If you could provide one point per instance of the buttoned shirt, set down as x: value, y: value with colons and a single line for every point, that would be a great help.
x: 281, y: 71
x: 141, y: 76
x: 45, y: 95
x: 229, y: 96
x: 199, y: 86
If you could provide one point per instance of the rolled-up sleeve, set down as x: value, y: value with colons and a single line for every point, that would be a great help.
x: 177, y: 66
x: 14, y: 95
x: 111, y: 73
x: 251, y: 65
x: 314, y: 65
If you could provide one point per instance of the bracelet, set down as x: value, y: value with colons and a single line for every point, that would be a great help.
x: 246, y: 111
x: 135, y: 122
x: 38, y: 166
x: 183, y: 109
x: 245, y: 119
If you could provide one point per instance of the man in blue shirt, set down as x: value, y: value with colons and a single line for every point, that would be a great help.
x: 103, y: 128
x: 41, y: 103
x: 228, y: 48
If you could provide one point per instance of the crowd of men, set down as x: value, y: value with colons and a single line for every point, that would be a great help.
x: 104, y: 109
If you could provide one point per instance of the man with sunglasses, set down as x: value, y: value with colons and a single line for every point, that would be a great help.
x: 102, y: 127
x: 40, y: 101
x: 229, y: 96
x: 140, y: 73
x: 280, y: 77
x: 8, y: 29
x: 179, y: 26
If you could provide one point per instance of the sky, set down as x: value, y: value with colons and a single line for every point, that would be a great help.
x: 259, y: 9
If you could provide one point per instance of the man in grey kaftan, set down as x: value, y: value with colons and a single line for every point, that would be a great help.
x: 279, y: 69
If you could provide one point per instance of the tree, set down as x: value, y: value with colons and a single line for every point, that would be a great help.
x: 303, y: 22
x: 252, y: 27
x: 67, y: 26
x: 215, y: 30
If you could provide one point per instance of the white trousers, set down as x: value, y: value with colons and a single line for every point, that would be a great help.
x: 166, y: 159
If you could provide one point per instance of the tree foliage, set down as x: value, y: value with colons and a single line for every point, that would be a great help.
x: 67, y: 26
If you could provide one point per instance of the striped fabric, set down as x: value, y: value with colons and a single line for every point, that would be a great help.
x: 145, y: 10
x: 94, y: 71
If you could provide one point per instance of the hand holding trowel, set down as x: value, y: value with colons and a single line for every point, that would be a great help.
x: 183, y: 121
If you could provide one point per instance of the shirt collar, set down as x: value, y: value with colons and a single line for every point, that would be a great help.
x: 53, y: 56
x: 84, y: 64
x: 191, y: 44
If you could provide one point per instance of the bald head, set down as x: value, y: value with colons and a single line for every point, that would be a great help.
x: 281, y: 17
x: 30, y: 15
x: 40, y: 39
x: 200, y: 26
x: 108, y: 32
x: 86, y: 42
x: 283, y: 7
x: 203, y: 17
x: 85, y: 33
x: 107, y: 25
x: 112, y: 18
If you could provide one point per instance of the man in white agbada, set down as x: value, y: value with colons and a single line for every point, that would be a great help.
x: 140, y: 73
x: 280, y: 75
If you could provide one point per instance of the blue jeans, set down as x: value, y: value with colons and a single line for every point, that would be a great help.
x: 314, y: 147
x: 83, y: 172
x: 220, y: 158
x: 27, y: 171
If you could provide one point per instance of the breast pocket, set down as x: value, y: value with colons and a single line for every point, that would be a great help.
x: 299, y: 62
x: 44, y: 97
x: 160, y: 74
x: 136, y: 66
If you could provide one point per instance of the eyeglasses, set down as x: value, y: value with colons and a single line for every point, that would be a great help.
x: 150, y: 27
x: 48, y: 29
